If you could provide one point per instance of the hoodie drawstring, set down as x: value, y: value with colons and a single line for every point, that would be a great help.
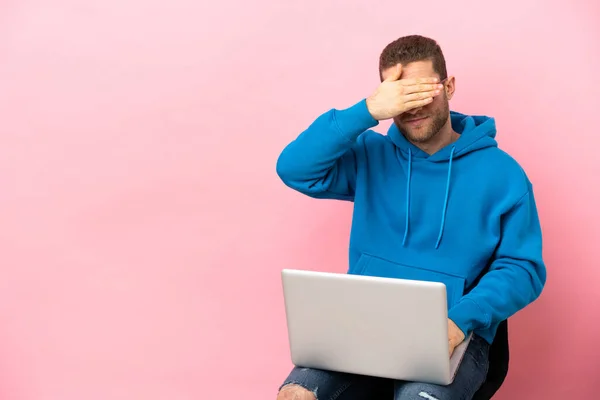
x: 407, y: 196
x: 443, y: 221
x: 437, y: 244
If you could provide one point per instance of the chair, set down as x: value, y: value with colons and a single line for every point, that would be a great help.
x: 498, y: 369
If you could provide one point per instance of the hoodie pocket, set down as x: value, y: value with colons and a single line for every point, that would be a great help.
x: 370, y: 265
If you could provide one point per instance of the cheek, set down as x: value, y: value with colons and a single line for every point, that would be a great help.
x: 437, y: 106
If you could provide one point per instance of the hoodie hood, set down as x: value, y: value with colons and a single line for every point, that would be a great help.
x: 476, y: 133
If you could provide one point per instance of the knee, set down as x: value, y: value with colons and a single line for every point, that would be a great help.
x: 295, y: 392
x: 417, y: 391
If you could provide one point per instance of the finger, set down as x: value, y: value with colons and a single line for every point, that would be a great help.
x: 422, y: 87
x: 395, y: 75
x: 417, y: 103
x: 419, y: 81
x: 421, y: 95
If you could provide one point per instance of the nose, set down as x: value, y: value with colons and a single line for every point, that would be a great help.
x: 414, y: 111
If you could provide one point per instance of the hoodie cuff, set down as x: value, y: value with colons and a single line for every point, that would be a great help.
x: 468, y: 316
x: 354, y: 120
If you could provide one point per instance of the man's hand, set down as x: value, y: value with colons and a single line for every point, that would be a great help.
x: 395, y: 96
x: 455, y: 336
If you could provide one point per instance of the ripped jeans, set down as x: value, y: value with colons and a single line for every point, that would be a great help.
x: 327, y: 385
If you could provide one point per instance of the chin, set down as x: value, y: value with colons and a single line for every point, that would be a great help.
x: 418, y: 138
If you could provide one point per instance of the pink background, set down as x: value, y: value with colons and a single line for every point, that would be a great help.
x: 143, y: 227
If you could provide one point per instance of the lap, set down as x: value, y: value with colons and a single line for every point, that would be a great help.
x: 329, y: 385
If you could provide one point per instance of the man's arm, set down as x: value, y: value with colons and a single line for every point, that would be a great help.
x: 516, y: 276
x: 321, y: 161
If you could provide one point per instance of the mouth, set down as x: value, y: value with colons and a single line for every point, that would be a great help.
x: 415, y: 121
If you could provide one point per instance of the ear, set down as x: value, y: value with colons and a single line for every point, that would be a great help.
x: 450, y: 87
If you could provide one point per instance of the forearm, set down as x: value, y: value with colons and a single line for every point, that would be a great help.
x: 322, y: 158
x: 508, y: 288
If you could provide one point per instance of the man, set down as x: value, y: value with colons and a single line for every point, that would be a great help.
x: 434, y: 199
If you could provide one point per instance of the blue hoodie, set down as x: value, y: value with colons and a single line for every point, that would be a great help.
x: 464, y: 216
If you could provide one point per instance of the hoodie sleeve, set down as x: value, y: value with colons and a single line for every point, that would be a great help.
x: 321, y: 162
x: 516, y: 276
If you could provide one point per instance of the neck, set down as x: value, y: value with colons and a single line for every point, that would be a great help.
x: 443, y: 138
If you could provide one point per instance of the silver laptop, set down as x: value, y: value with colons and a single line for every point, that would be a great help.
x: 382, y: 327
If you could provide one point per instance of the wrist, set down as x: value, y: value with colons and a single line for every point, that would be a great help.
x: 354, y: 120
x: 370, y: 108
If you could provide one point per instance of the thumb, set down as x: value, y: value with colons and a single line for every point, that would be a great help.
x: 395, y: 75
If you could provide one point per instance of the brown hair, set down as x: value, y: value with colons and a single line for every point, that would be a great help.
x: 412, y: 48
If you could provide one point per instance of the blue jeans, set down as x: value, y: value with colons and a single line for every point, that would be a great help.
x: 327, y: 385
